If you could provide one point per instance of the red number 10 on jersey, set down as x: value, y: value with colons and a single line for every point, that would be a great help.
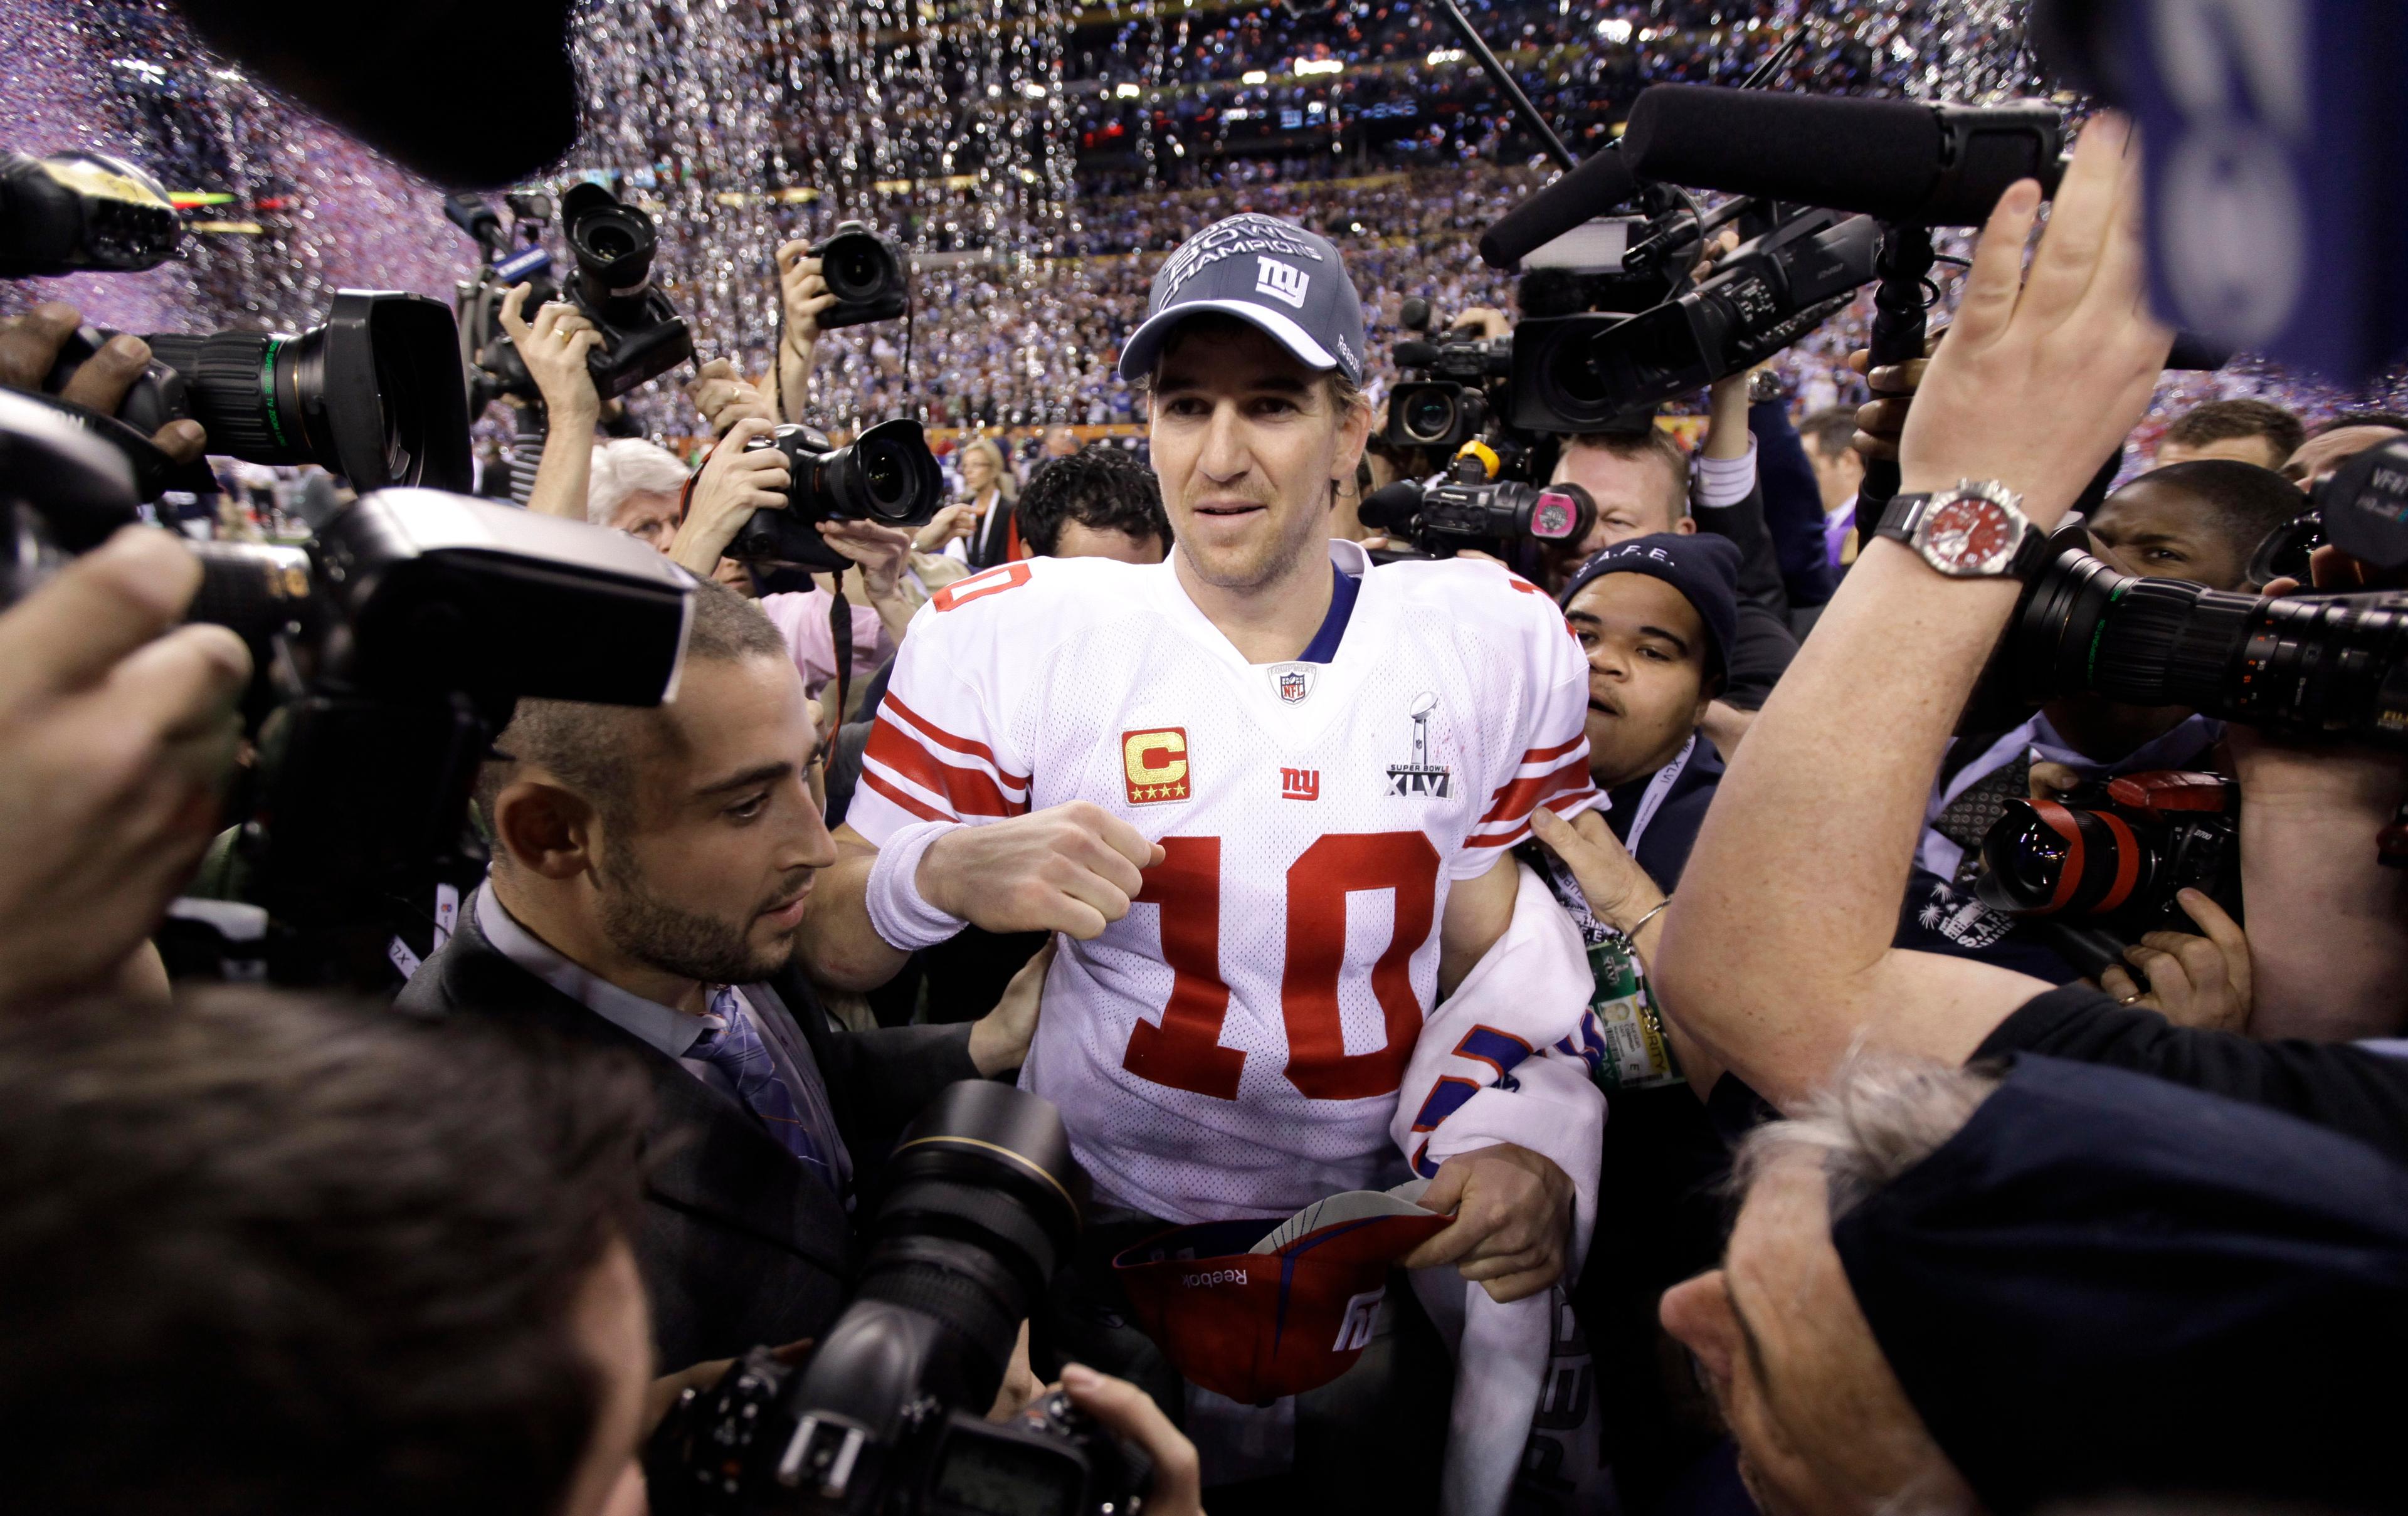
x: 1184, y: 1051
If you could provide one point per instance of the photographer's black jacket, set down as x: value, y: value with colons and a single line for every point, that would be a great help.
x: 740, y: 1245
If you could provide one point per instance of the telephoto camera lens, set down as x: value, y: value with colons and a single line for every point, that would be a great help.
x: 613, y: 244
x: 864, y: 273
x: 2295, y: 666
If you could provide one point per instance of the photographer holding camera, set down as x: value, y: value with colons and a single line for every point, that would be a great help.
x: 1786, y: 899
x: 555, y: 346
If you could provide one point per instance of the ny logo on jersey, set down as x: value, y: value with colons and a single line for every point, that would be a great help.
x: 1421, y: 776
x: 1155, y: 762
x: 1362, y: 1315
x: 1282, y: 281
x: 1299, y: 784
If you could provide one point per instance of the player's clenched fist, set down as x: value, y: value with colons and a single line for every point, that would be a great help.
x: 1512, y: 1210
x: 1071, y: 868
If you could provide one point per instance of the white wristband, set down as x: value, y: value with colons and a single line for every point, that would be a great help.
x: 896, y: 907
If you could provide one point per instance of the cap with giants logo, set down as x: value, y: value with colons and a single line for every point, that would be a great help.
x: 1279, y: 1321
x: 1277, y: 277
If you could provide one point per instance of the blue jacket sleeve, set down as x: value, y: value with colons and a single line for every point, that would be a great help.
x: 1793, y: 504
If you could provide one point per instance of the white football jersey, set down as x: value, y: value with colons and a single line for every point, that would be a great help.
x: 1234, y: 1045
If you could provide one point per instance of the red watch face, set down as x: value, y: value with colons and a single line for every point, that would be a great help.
x: 1968, y: 535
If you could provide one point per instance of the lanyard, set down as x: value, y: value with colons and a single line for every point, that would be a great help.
x: 1657, y: 787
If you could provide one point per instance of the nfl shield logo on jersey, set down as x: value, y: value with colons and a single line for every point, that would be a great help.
x: 1293, y: 681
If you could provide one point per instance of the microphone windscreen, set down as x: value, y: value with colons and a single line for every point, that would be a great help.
x: 1880, y: 157
x: 1587, y: 191
x: 1391, y: 507
x: 1413, y: 353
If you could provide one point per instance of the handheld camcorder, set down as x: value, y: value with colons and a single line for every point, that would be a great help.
x: 2298, y: 667
x: 1579, y: 373
x: 1503, y: 518
x: 981, y: 1203
x: 373, y: 395
x: 887, y: 475
x: 513, y: 256
x: 2114, y: 854
x: 866, y: 274
x: 1449, y: 406
x: 388, y: 653
x: 75, y: 212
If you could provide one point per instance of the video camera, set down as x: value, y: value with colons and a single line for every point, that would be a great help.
x: 373, y: 395
x: 886, y: 474
x: 73, y: 212
x: 1450, y: 407
x: 388, y: 654
x: 982, y: 1203
x: 611, y: 245
x: 1575, y: 374
x: 1469, y: 508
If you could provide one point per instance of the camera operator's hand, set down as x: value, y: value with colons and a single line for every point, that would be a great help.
x: 2197, y: 982
x: 554, y: 346
x: 1880, y: 422
x: 1484, y: 322
x: 803, y: 293
x: 879, y: 556
x: 951, y: 524
x: 1071, y: 867
x: 2044, y: 374
x: 733, y: 484
x: 1124, y: 1408
x: 724, y: 398
x: 999, y: 1039
x: 117, y: 729
x: 30, y: 344
x: 1512, y: 1220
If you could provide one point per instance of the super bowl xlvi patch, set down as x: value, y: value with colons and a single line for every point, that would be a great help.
x: 1291, y: 682
x: 1421, y: 776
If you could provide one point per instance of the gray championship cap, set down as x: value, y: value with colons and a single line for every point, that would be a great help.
x: 1278, y: 276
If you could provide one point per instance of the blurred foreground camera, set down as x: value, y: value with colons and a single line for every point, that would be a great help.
x: 76, y: 211
x: 374, y: 394
x: 865, y: 272
x: 2114, y: 853
x: 887, y: 475
x: 2297, y: 666
x: 983, y: 1202
x: 613, y: 245
x: 388, y: 653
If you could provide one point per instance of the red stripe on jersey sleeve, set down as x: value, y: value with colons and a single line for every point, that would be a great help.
x: 1569, y: 800
x: 1515, y: 799
x: 972, y: 791
x: 1540, y: 755
x: 907, y: 801
x: 943, y: 738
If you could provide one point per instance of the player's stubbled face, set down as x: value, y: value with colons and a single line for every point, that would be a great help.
x: 1245, y: 442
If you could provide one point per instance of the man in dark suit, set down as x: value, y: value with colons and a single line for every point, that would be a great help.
x: 650, y: 872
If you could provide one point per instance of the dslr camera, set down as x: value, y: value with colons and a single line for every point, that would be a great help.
x: 886, y: 474
x: 388, y: 653
x: 866, y: 274
x: 2112, y: 854
x: 981, y: 1203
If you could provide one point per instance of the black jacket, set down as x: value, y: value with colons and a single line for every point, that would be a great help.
x: 739, y: 1245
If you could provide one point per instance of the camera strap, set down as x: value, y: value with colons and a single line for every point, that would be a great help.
x: 840, y: 631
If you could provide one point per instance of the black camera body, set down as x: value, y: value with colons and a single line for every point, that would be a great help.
x: 1579, y: 373
x: 387, y: 654
x: 512, y: 257
x: 75, y: 212
x: 613, y: 245
x: 373, y: 395
x: 866, y: 274
x: 2113, y: 853
x: 981, y: 1203
x: 1450, y: 405
x: 886, y: 474
x: 1505, y: 519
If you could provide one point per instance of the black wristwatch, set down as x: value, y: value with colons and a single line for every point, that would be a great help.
x: 1977, y: 530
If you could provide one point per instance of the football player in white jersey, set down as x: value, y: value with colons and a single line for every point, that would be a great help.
x: 1313, y: 772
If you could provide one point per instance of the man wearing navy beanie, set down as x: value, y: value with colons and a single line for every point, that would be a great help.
x: 1656, y: 616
